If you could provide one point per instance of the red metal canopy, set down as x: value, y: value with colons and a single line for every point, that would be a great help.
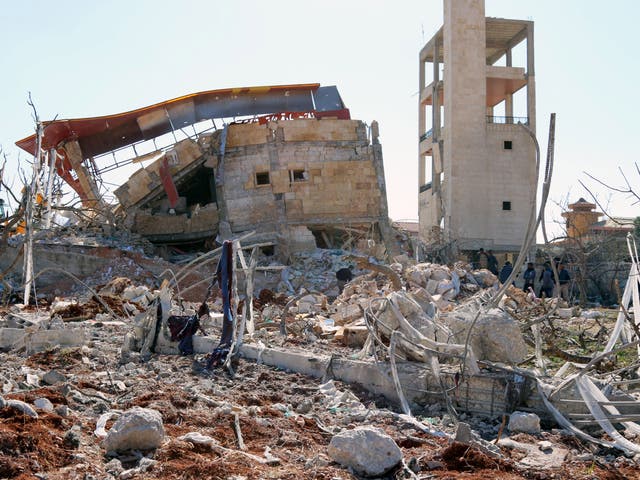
x: 97, y: 135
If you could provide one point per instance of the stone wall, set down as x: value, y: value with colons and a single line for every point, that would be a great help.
x: 514, y: 181
x: 318, y: 170
x: 203, y: 219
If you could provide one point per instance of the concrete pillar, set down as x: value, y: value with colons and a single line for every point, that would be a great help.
x: 435, y: 115
x: 508, y: 101
x: 421, y: 123
x: 467, y: 172
x: 435, y: 94
x: 88, y: 184
x: 531, y: 83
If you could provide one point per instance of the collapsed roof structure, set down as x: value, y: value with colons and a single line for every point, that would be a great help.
x: 285, y: 165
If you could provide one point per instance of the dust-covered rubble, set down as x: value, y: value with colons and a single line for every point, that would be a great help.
x: 66, y: 407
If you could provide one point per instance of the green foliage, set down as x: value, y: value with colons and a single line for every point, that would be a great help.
x: 636, y: 227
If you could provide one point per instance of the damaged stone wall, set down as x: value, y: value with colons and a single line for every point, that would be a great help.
x: 304, y: 170
x: 276, y: 178
x: 146, y: 181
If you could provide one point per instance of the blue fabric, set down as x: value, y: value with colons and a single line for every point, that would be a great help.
x: 529, y: 274
x: 505, y: 272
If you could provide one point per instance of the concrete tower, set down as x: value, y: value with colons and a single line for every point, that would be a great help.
x: 482, y: 166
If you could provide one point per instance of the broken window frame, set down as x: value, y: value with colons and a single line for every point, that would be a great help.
x: 297, y: 175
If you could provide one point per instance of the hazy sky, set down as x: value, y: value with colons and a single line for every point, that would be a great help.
x: 82, y: 59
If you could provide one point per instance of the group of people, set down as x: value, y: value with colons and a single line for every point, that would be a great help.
x: 547, y: 277
x: 548, y: 282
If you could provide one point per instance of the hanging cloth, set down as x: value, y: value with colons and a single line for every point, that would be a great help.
x: 224, y: 277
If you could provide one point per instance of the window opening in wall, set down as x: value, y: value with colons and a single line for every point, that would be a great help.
x: 298, y: 175
x: 262, y: 178
x: 508, y: 145
x: 506, y: 205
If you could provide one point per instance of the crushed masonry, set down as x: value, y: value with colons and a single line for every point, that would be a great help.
x: 100, y: 356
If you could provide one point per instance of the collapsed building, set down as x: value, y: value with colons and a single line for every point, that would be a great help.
x: 287, y: 168
x: 288, y: 163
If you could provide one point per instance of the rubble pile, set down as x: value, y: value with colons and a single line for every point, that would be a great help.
x: 90, y: 236
x: 406, y: 373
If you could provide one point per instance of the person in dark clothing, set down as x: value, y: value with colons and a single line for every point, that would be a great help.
x: 564, y: 278
x: 483, y: 259
x: 505, y: 272
x: 492, y: 262
x: 529, y: 276
x: 344, y: 276
x: 547, y: 281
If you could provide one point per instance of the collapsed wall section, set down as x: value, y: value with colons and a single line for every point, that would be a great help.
x: 279, y: 178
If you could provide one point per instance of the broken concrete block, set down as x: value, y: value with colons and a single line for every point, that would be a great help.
x: 138, y: 428
x: 524, y: 422
x: 9, y: 337
x: 496, y: 335
x: 417, y: 277
x: 440, y: 273
x: 367, y: 450
x: 43, y: 404
x: 355, y: 335
x: 545, y: 446
x: 198, y: 439
x: 485, y: 278
x: 432, y: 286
x: 463, y: 433
x: 346, y: 313
x: 444, y: 286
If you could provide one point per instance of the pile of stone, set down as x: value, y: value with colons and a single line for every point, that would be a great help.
x: 438, y: 302
x: 315, y: 271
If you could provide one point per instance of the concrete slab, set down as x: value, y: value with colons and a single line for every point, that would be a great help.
x: 484, y: 394
x: 40, y: 340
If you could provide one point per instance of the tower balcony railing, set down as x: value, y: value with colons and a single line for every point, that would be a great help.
x: 507, y: 120
x: 425, y: 187
x: 426, y: 135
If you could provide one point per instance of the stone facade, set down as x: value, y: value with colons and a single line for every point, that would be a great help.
x: 300, y: 171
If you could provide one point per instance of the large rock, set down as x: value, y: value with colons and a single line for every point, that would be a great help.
x: 485, y: 278
x: 496, y: 335
x: 524, y: 422
x: 138, y: 428
x: 52, y: 377
x: 440, y: 273
x: 366, y: 450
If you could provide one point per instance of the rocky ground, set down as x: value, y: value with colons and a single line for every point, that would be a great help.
x: 263, y: 422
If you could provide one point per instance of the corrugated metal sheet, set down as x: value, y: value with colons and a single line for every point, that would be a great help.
x: 98, y: 135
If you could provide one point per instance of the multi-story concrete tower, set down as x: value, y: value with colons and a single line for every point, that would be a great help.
x: 482, y: 166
